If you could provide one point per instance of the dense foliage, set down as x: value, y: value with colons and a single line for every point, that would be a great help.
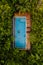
x: 10, y: 56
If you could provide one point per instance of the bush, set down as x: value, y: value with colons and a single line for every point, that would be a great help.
x: 10, y: 56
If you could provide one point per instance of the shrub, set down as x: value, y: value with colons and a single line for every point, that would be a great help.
x: 10, y: 56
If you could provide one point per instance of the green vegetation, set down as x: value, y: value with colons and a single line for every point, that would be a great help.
x: 10, y: 56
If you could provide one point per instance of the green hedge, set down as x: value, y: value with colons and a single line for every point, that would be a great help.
x: 10, y: 56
